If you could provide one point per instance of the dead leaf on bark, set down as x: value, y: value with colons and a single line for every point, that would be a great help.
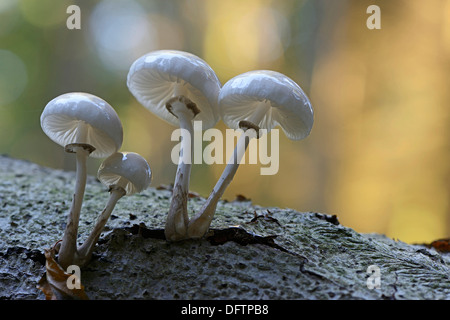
x: 442, y: 245
x: 266, y: 217
x: 191, y: 194
x: 54, y: 281
x: 165, y: 187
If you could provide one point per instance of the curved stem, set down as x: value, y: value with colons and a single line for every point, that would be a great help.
x: 200, y: 223
x: 69, y: 242
x: 177, y: 218
x: 85, y: 250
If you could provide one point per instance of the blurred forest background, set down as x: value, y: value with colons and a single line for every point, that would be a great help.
x: 378, y: 154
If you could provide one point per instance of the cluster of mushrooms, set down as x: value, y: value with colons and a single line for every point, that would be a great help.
x: 179, y: 88
x: 89, y: 127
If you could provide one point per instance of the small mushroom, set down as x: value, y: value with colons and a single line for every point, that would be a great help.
x: 87, y: 126
x: 124, y: 173
x: 177, y: 87
x: 252, y: 101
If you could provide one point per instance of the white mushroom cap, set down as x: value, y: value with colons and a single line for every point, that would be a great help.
x: 160, y: 75
x: 82, y: 118
x: 276, y: 98
x: 128, y: 170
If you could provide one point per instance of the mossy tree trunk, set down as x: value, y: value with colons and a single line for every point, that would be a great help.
x: 251, y: 252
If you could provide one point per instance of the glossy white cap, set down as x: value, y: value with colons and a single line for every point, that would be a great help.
x: 281, y: 100
x: 128, y: 170
x: 83, y: 118
x: 160, y: 75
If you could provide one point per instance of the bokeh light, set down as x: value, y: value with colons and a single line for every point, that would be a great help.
x: 9, y: 16
x: 44, y: 13
x: 378, y: 154
x: 13, y: 77
x: 243, y: 36
x: 120, y: 32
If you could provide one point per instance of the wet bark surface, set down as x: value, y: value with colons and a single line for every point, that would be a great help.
x: 251, y: 252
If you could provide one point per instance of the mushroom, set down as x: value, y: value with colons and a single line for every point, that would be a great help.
x: 124, y: 173
x: 87, y: 126
x: 252, y: 101
x: 177, y: 87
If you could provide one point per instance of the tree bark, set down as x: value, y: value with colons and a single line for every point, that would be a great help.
x: 251, y: 252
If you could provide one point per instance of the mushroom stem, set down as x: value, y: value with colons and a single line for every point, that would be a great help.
x: 258, y: 114
x: 199, y: 224
x: 82, y: 131
x: 85, y: 250
x: 69, y: 242
x: 177, y: 218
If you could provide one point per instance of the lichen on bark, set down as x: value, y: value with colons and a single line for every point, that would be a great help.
x: 251, y: 252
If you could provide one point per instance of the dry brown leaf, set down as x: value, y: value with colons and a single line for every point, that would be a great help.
x: 54, y: 282
x: 442, y: 245
x: 241, y: 198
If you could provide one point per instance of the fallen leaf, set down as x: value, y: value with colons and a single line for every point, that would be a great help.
x: 241, y: 198
x: 193, y: 194
x: 442, y: 245
x: 54, y: 282
x: 165, y: 187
